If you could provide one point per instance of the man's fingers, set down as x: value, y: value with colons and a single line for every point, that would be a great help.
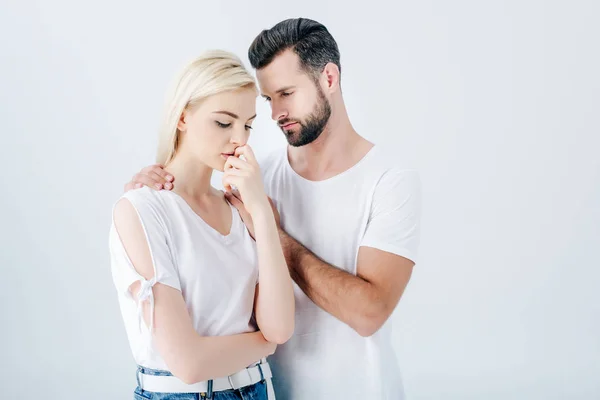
x: 235, y: 202
x: 140, y: 180
x: 237, y: 194
x: 246, y: 217
x: 159, y: 181
x: 160, y: 171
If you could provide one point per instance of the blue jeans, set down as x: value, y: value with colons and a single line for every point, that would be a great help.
x: 258, y: 391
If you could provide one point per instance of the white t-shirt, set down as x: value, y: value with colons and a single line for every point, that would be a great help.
x: 375, y: 204
x: 217, y: 274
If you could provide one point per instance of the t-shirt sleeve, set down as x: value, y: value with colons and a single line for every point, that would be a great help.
x: 156, y: 236
x: 394, y: 217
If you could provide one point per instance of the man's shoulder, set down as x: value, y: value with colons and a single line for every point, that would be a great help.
x: 390, y: 173
x: 385, y: 163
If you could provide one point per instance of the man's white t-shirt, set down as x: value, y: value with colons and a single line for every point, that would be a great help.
x: 376, y: 204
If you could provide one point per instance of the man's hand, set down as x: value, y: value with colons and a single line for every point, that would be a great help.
x: 236, y: 200
x: 153, y: 176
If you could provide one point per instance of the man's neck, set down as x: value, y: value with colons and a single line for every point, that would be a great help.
x: 337, y: 149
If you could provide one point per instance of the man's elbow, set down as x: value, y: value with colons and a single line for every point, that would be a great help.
x: 368, y: 324
x: 367, y: 328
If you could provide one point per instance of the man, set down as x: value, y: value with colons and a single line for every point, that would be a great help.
x: 349, y: 223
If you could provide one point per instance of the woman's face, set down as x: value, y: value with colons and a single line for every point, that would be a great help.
x: 211, y: 131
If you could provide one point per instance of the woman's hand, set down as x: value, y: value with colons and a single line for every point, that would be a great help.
x: 246, y: 177
x: 274, y: 305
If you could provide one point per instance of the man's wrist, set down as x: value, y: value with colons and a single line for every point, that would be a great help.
x: 293, y: 251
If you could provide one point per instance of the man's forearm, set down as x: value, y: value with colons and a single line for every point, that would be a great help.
x: 347, y: 297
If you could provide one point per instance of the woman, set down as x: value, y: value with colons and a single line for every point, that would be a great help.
x: 193, y: 285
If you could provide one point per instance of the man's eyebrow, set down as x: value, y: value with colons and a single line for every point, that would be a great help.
x: 283, y: 89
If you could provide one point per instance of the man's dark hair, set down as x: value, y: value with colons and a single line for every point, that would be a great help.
x: 310, y: 40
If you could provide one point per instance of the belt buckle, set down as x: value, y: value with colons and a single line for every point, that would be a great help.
x: 231, y: 382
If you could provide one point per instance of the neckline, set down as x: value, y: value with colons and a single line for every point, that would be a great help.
x: 203, y: 222
x: 330, y: 179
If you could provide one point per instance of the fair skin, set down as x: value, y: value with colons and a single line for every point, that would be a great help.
x: 363, y: 301
x: 213, y: 135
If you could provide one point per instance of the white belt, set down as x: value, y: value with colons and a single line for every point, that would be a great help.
x: 172, y: 384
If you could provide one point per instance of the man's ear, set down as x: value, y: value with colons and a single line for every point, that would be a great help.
x: 331, y: 76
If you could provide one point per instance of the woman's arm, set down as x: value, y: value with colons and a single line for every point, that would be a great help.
x: 275, y: 305
x: 189, y: 356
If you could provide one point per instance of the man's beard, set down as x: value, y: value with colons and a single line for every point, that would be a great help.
x: 312, y: 127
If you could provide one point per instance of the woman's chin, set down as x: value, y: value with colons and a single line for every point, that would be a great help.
x: 219, y: 167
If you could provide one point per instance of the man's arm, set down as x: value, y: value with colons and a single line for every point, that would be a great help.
x: 364, y: 301
x: 386, y: 257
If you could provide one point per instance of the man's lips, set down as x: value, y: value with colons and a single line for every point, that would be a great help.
x: 289, y: 125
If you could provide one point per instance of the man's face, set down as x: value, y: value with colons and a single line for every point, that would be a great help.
x: 298, y: 103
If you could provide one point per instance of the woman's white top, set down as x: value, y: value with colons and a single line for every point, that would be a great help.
x: 216, y: 274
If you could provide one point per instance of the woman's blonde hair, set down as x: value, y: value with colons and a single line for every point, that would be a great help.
x: 214, y: 72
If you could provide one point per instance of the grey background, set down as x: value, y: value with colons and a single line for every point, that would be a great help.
x: 495, y: 102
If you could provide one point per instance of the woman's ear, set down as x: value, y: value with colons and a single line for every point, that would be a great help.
x: 182, y: 125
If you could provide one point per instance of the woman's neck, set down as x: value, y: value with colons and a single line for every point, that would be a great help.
x: 192, y: 177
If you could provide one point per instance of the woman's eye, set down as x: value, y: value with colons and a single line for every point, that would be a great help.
x: 248, y: 127
x: 222, y: 125
x: 285, y: 94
